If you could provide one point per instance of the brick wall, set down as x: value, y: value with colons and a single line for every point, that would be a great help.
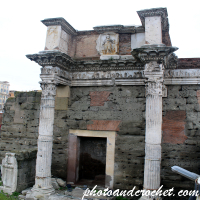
x: 166, y: 38
x: 86, y: 45
x: 188, y: 63
x: 124, y: 44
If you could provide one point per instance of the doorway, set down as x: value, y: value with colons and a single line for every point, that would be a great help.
x: 96, y: 147
x: 92, y: 162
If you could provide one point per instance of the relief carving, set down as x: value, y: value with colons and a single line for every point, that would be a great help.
x: 107, y: 75
x: 48, y: 89
x: 153, y: 88
x: 108, y: 43
x: 182, y: 73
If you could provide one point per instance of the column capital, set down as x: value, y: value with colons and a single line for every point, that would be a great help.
x: 48, y: 89
x: 149, y: 53
x: 154, y: 74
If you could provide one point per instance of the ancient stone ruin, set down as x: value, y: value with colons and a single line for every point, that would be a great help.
x: 117, y: 109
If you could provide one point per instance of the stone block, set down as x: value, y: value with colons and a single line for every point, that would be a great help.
x: 54, y: 183
x: 60, y: 182
x: 61, y: 103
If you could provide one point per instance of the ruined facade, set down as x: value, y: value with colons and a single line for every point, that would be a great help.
x: 117, y: 107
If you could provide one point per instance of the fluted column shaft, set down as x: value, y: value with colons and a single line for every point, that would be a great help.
x: 45, y: 139
x: 154, y: 74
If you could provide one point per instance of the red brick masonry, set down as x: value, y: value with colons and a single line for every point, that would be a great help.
x: 104, y: 125
x: 99, y: 98
x: 174, y: 127
x: 188, y: 63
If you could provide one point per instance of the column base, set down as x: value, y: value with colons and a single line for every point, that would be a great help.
x: 40, y: 193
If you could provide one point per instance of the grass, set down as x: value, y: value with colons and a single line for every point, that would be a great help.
x: 5, y: 196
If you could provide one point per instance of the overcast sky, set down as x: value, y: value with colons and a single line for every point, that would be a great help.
x: 22, y: 32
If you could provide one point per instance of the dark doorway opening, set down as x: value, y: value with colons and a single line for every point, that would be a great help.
x: 92, y: 162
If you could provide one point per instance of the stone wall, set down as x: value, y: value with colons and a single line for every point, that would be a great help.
x: 86, y: 44
x: 26, y: 161
x: 121, y: 109
x: 181, y: 134
x: 125, y: 44
x: 20, y: 123
x: 118, y: 108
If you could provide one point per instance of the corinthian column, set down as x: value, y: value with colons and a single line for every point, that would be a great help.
x: 155, y: 58
x: 154, y: 84
x: 43, y: 184
x: 54, y: 72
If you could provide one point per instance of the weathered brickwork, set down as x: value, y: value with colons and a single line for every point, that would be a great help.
x: 104, y: 125
x: 99, y: 98
x: 86, y: 46
x: 181, y: 105
x: 125, y: 44
x: 174, y: 127
x: 188, y: 63
x: 166, y: 38
x: 198, y: 96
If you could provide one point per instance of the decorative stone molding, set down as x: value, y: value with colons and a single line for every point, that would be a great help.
x: 58, y: 68
x: 148, y: 53
x: 9, y: 172
x: 182, y: 73
x: 51, y: 58
x: 155, y: 12
x: 172, y: 61
x: 107, y: 65
x: 115, y: 28
x: 60, y: 22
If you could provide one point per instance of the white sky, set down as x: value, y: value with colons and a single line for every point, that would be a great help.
x: 22, y: 32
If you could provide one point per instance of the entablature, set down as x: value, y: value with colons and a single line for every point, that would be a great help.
x: 60, y: 68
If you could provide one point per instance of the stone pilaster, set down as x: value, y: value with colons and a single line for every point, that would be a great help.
x: 155, y: 58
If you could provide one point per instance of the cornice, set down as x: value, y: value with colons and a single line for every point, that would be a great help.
x: 155, y: 12
x: 107, y: 65
x: 62, y: 22
x: 52, y: 58
x: 149, y: 53
x: 62, y: 60
x: 115, y: 28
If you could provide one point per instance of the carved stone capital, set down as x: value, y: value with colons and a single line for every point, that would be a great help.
x: 153, y: 88
x: 149, y: 53
x: 155, y: 12
x: 48, y: 89
x: 51, y: 58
